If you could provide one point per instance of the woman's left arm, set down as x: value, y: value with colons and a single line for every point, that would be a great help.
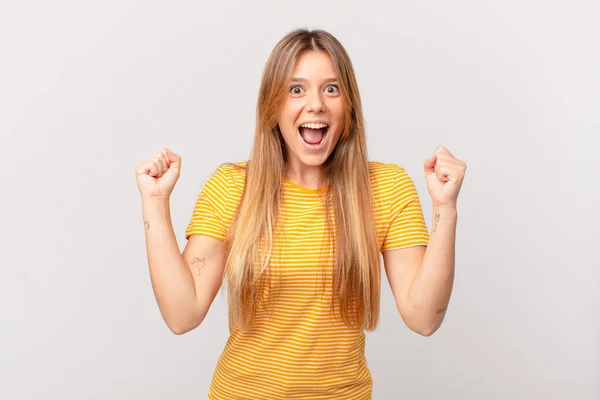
x: 422, y: 277
x: 431, y: 287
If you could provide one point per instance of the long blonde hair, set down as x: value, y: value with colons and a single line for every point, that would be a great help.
x: 248, y: 246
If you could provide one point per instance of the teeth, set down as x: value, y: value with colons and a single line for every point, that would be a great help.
x: 314, y: 126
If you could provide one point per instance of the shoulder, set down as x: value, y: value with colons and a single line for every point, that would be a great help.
x: 390, y: 181
x: 229, y: 173
x: 230, y: 178
x: 224, y: 179
x: 385, y: 173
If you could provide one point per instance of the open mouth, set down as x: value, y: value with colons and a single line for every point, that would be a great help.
x: 313, y: 134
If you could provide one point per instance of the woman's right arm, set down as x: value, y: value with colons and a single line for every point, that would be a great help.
x: 184, y: 285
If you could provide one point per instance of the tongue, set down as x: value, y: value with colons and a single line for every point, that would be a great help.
x: 312, y: 136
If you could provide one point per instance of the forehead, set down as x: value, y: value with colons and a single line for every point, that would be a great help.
x: 314, y: 65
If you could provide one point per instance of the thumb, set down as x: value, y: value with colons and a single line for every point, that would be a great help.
x: 429, y: 163
x: 173, y: 158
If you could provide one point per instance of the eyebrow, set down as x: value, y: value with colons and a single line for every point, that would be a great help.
x: 298, y: 79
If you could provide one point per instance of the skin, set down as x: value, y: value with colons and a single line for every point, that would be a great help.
x: 313, y: 94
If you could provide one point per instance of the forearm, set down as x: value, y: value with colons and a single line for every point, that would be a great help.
x: 172, y: 281
x: 431, y: 288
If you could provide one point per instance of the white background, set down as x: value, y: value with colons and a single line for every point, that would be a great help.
x: 90, y: 89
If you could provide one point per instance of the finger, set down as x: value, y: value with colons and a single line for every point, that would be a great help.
x: 163, y: 161
x: 173, y: 158
x: 452, y: 172
x: 142, y: 168
x: 165, y: 157
x: 152, y: 168
x: 441, y: 150
x: 447, y: 174
x: 442, y: 171
x: 429, y: 164
x: 447, y: 158
x: 162, y: 165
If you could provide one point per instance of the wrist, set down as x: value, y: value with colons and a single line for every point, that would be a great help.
x: 156, y: 199
x: 444, y: 207
x: 160, y: 205
x: 156, y: 209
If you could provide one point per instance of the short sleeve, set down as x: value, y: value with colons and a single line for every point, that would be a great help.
x: 407, y: 224
x: 209, y: 211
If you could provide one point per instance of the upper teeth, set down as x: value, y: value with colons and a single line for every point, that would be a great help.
x: 314, y: 126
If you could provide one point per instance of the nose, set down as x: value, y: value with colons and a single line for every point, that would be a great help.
x: 315, y: 103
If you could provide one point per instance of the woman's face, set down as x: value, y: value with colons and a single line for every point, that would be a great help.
x: 311, y: 120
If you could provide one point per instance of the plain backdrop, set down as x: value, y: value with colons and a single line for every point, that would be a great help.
x: 90, y: 89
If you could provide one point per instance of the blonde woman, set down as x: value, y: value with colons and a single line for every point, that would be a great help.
x: 297, y: 231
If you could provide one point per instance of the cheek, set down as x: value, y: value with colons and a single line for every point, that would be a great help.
x: 337, y: 109
x: 289, y: 115
x: 338, y: 114
x: 287, y: 118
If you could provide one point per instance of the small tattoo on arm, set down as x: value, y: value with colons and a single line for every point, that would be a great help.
x: 200, y: 263
x: 147, y: 225
x: 441, y: 310
x: 435, y: 223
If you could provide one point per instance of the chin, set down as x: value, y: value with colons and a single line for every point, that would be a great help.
x: 313, y: 160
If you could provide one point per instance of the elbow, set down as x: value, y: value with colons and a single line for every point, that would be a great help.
x: 424, y: 331
x: 180, y: 329
x: 428, y: 331
x: 419, y: 321
x: 416, y: 324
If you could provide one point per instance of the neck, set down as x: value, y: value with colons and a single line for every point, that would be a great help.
x: 304, y: 175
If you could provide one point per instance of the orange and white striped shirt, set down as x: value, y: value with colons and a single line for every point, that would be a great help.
x: 296, y: 348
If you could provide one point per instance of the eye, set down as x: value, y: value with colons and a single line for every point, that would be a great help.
x: 335, y: 88
x: 296, y: 90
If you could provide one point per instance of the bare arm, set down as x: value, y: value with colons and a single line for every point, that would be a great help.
x: 422, y: 277
x: 184, y: 285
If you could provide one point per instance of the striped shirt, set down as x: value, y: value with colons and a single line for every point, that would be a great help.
x: 296, y: 348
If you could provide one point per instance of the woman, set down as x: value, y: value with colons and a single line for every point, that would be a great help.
x: 297, y: 230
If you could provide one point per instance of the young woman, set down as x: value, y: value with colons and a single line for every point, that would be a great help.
x: 298, y: 231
